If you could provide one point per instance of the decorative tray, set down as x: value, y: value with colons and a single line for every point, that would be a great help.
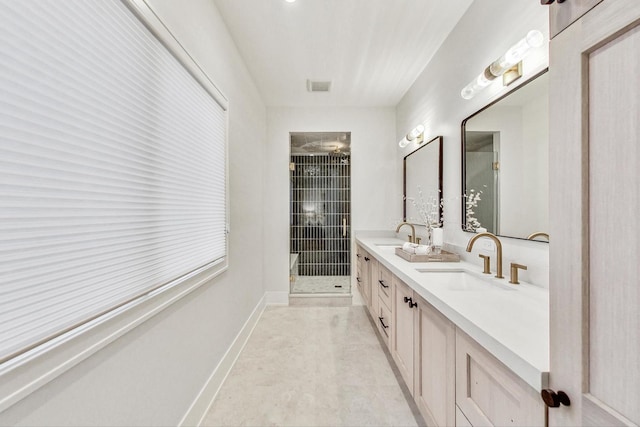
x: 443, y: 256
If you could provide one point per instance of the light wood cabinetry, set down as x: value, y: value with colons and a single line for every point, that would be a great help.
x: 363, y: 277
x: 452, y: 378
x: 382, y: 307
x: 488, y: 393
x: 423, y: 347
x: 384, y: 285
x: 402, y: 336
x: 384, y: 324
x: 561, y: 15
x: 595, y: 196
x: 359, y: 267
x: 434, y: 370
x: 372, y: 286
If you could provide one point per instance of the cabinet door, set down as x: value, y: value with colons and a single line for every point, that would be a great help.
x: 595, y: 200
x: 561, y: 15
x: 384, y: 285
x: 366, y: 279
x: 383, y: 320
x: 359, y: 268
x: 488, y: 393
x: 402, y: 335
x: 435, y: 354
x: 373, y: 287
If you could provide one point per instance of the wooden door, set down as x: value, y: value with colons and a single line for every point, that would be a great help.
x: 595, y: 203
x: 561, y: 15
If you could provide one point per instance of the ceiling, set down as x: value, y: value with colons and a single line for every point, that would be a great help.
x: 371, y: 50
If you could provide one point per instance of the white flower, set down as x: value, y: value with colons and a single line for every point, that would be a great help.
x: 472, y: 199
x: 429, y: 209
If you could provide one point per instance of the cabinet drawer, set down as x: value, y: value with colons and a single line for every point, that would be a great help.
x: 384, y: 285
x: 488, y: 393
x: 384, y: 322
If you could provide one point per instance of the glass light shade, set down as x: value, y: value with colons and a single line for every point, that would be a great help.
x: 403, y: 142
x: 534, y: 38
x: 416, y: 132
x: 475, y: 86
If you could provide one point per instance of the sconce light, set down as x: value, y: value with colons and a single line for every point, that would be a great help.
x: 508, y: 63
x: 417, y: 134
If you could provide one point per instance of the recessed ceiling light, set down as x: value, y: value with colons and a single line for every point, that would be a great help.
x: 289, y: 1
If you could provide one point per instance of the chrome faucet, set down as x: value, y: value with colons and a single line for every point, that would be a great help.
x: 498, y: 250
x: 412, y: 239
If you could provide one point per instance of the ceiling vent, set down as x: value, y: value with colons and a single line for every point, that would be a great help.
x: 316, y: 86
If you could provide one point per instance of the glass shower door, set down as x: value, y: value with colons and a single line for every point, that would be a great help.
x: 320, y: 223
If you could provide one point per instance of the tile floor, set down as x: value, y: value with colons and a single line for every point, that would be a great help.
x: 313, y: 366
x: 321, y: 285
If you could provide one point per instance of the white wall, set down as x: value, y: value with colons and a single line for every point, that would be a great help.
x: 151, y: 375
x: 483, y: 34
x: 376, y: 188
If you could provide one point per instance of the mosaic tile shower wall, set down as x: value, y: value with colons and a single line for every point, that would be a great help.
x: 321, y: 214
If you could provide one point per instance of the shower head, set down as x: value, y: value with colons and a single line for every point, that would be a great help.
x: 339, y: 154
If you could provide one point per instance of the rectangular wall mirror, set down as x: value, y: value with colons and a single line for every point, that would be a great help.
x: 505, y: 164
x: 423, y: 182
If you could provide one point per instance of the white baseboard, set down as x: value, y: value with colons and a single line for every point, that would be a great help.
x: 200, y: 406
x: 276, y: 298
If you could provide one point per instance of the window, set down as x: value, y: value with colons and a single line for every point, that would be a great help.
x: 112, y: 167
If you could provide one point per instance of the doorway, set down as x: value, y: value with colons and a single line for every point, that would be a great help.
x: 320, y: 212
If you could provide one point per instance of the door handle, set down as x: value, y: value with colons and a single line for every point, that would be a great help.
x: 344, y: 227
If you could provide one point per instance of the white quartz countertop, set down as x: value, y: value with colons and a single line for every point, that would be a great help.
x: 509, y: 321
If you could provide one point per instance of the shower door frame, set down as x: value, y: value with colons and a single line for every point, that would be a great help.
x: 336, y: 260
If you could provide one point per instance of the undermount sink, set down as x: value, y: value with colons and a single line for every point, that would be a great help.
x: 460, y: 280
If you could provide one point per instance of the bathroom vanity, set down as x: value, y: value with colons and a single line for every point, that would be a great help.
x: 465, y: 343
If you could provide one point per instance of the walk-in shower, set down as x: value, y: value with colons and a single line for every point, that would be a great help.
x: 320, y: 212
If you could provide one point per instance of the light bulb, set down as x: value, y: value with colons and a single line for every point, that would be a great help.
x: 534, y: 38
x: 416, y: 132
x: 475, y: 86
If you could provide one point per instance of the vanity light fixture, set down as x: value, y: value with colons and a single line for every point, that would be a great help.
x: 504, y: 64
x: 416, y: 134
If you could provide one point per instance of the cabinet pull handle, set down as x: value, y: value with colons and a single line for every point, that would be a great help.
x: 548, y: 2
x: 344, y: 227
x: 382, y: 323
x: 358, y: 279
x: 366, y: 259
x: 552, y: 399
x: 358, y: 255
x: 410, y: 301
x: 382, y: 284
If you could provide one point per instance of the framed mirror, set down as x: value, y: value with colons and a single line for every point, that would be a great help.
x: 422, y: 183
x: 505, y: 164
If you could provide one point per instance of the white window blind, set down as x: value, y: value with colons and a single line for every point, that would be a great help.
x: 112, y: 167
